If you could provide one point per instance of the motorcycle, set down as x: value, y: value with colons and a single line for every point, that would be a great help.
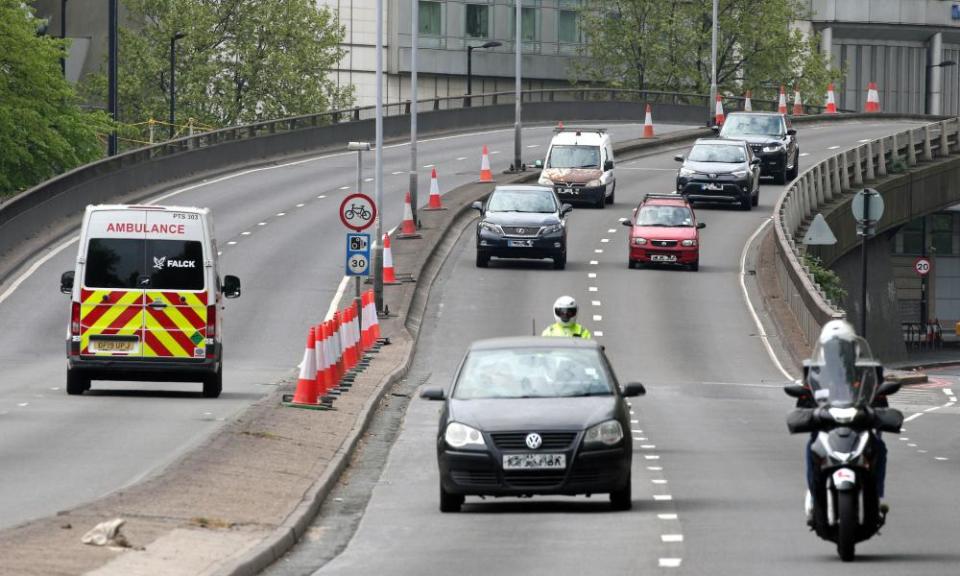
x: 842, y: 403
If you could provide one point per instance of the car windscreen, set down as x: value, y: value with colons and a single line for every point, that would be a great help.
x: 717, y: 153
x: 664, y: 216
x: 522, y: 201
x: 533, y: 373
x: 751, y: 126
x: 574, y: 157
x: 127, y: 263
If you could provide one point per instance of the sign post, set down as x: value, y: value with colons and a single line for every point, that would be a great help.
x: 867, y: 207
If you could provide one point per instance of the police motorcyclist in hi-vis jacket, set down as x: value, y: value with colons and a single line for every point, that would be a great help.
x: 842, y: 403
x: 565, y: 312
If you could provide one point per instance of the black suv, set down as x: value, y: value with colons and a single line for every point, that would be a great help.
x: 522, y: 222
x: 772, y: 139
x: 718, y: 170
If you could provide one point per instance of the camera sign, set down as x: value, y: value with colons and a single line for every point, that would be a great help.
x: 358, y: 255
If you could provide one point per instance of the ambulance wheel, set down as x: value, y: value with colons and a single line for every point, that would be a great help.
x: 77, y: 383
x: 213, y: 383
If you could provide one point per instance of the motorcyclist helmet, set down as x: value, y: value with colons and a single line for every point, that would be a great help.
x: 842, y: 371
x: 565, y: 310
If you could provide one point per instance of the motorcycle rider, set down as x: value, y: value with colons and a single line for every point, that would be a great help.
x: 565, y: 312
x: 838, y: 350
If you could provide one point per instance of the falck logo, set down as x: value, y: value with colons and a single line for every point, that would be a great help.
x: 534, y: 441
x: 159, y: 262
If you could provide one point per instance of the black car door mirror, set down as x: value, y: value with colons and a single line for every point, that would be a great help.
x: 716, y: 129
x: 701, y: 225
x: 627, y: 223
x: 887, y: 388
x: 755, y: 162
x: 634, y: 389
x: 231, y: 286
x: 795, y: 390
x: 565, y: 209
x: 433, y: 393
x: 66, y: 282
x: 678, y: 157
x: 791, y: 132
x: 608, y: 165
x: 478, y: 205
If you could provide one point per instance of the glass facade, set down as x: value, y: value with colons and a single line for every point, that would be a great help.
x: 478, y: 21
x: 430, y: 19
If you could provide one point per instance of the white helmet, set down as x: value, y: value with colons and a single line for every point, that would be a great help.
x: 565, y: 310
x: 837, y: 329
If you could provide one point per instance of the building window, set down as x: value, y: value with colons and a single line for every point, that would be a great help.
x: 430, y: 19
x: 528, y: 24
x: 941, y: 233
x: 912, y: 235
x: 569, y: 32
x: 478, y: 21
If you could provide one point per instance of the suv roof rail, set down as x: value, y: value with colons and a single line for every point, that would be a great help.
x: 559, y: 129
x: 664, y: 196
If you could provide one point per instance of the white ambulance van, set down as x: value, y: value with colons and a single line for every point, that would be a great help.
x: 146, y: 298
x: 579, y: 166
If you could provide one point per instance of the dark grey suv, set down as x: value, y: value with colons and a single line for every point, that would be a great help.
x: 772, y: 139
x: 522, y: 222
x: 718, y: 170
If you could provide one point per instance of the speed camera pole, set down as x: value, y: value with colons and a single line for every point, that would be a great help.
x: 361, y: 147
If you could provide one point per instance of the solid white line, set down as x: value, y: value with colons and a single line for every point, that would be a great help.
x: 671, y: 537
x: 35, y: 266
x: 931, y: 409
x: 949, y: 404
x: 914, y: 417
x: 336, y: 298
x: 753, y: 312
x: 669, y: 562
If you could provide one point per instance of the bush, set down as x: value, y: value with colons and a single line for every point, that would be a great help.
x: 826, y: 279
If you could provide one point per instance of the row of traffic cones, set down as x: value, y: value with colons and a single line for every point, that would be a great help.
x: 337, y: 351
x: 873, y: 103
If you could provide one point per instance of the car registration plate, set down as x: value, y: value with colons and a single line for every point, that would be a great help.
x: 534, y: 461
x: 520, y: 243
x: 99, y: 345
x: 712, y: 186
x: 568, y: 191
x: 663, y: 258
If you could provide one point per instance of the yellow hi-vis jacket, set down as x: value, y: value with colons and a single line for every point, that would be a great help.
x: 573, y: 330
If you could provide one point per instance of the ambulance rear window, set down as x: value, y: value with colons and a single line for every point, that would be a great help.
x: 128, y: 263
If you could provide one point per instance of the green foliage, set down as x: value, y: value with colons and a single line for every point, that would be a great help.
x: 826, y: 278
x: 241, y: 61
x: 666, y: 44
x: 43, y: 131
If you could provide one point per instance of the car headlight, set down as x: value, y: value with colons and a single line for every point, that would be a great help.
x: 492, y: 228
x: 606, y: 433
x: 739, y: 174
x: 551, y: 229
x: 687, y: 173
x: 460, y: 435
x: 544, y: 181
x: 775, y: 147
x: 594, y: 183
x: 689, y: 243
x: 639, y: 241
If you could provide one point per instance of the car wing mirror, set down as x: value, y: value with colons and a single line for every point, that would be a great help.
x: 678, y: 157
x: 716, y: 129
x: 754, y: 161
x: 231, y: 286
x: 792, y: 132
x: 433, y: 393
x: 478, y: 205
x: 887, y: 388
x: 627, y: 222
x: 608, y: 165
x: 66, y: 282
x: 795, y: 390
x: 634, y: 389
x: 565, y: 209
x: 538, y: 163
x: 701, y: 225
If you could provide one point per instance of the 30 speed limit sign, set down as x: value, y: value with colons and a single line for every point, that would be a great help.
x: 358, y: 255
x: 922, y: 266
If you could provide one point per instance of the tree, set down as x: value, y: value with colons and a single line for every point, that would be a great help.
x: 666, y: 45
x: 43, y: 130
x: 240, y: 61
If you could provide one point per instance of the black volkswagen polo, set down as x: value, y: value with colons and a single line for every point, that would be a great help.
x: 528, y: 415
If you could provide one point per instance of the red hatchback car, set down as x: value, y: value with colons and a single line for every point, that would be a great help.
x: 664, y: 230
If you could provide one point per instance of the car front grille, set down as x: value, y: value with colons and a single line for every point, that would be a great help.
x: 518, y: 440
x: 534, y: 479
x: 597, y: 475
x: 521, y: 231
x: 474, y: 477
x: 757, y: 148
x: 664, y: 243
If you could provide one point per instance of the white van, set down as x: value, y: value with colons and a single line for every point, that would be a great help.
x: 579, y: 166
x: 146, y: 298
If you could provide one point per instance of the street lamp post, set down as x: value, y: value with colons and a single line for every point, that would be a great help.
x: 414, y: 186
x: 470, y: 49
x: 713, y: 64
x: 360, y: 148
x: 378, y: 166
x: 112, y: 143
x: 63, y: 35
x: 518, y: 44
x: 173, y: 81
x: 929, y: 81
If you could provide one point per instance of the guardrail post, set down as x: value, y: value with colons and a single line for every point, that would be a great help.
x: 817, y: 198
x: 881, y: 158
x: 911, y: 149
x: 801, y: 200
x: 836, y: 189
x: 436, y: 103
x: 857, y: 167
x: 927, y: 147
x: 845, y: 171
x: 944, y: 142
x: 871, y: 175
x: 894, y: 155
x: 356, y: 114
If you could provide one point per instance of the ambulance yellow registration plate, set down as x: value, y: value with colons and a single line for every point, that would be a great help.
x: 113, y: 345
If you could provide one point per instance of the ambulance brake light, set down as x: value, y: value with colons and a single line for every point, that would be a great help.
x: 75, y: 319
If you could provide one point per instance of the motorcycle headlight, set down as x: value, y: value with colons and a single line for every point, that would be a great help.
x: 551, y: 229
x: 544, y: 181
x: 739, y: 174
x: 492, y: 228
x: 639, y: 241
x: 460, y: 435
x: 687, y: 173
x: 606, y: 433
x: 775, y: 147
x: 689, y: 243
x: 594, y: 183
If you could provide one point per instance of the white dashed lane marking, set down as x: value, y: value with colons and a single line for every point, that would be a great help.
x: 592, y: 289
x: 533, y: 145
x: 281, y: 213
x: 594, y: 263
x: 604, y: 240
x: 667, y: 516
x: 597, y: 318
x: 804, y: 154
x: 368, y: 179
x: 598, y: 250
x: 591, y: 274
x: 343, y: 188
x: 595, y: 302
x: 300, y: 205
x: 655, y: 468
x: 598, y: 332
x: 832, y: 147
x: 662, y: 497
x: 244, y: 233
x: 651, y: 457
x: 671, y: 537
x: 659, y: 481
x: 232, y: 243
x: 261, y: 223
x: 611, y: 231
x: 669, y: 562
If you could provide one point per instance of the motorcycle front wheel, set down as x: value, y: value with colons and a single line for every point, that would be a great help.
x: 848, y: 522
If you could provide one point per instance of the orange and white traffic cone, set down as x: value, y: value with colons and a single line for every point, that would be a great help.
x: 747, y: 105
x: 329, y: 357
x: 873, y: 98
x: 485, y: 174
x: 389, y: 276
x: 831, y: 100
x: 782, y: 104
x: 560, y: 125
x: 338, y: 346
x: 307, y: 382
x: 648, y: 123
x: 435, y: 203
x: 322, y: 348
x: 797, y: 103
x: 349, y: 351
x: 408, y: 229
x: 719, y: 117
x: 365, y: 321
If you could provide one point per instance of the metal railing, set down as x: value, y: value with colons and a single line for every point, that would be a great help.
x: 830, y: 180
